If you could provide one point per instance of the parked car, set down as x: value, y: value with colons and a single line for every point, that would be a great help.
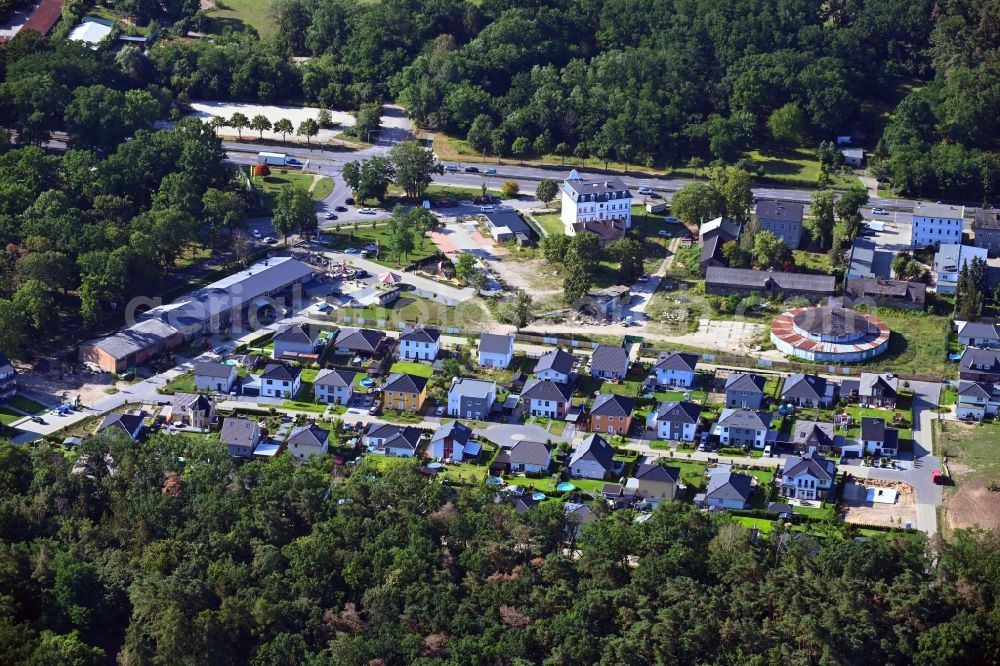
x: 471, y: 169
x: 487, y: 209
x: 879, y: 211
x: 256, y: 234
x: 330, y: 216
x: 490, y: 172
x: 451, y: 167
x: 367, y: 211
x: 645, y: 190
x: 644, y: 277
x: 352, y: 250
x: 373, y: 410
x: 439, y: 411
x: 269, y: 241
x: 340, y: 209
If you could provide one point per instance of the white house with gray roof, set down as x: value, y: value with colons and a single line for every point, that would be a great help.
x: 292, y: 341
x: 726, y: 489
x: 809, y: 477
x: 556, y: 365
x: 783, y: 219
x: 525, y: 456
x: 241, y: 436
x: 210, y: 376
x: 979, y: 334
x: 280, y: 381
x: 593, y: 459
x: 977, y: 400
x: 334, y: 387
x: 676, y: 421
x: 544, y: 397
x: 471, y: 398
x: 420, y: 343
x: 397, y: 441
x: 593, y: 200
x: 804, y: 390
x: 308, y: 441
x: 496, y: 351
x: 608, y: 362
x: 877, y: 439
x: 744, y: 427
x: 675, y: 369
x: 936, y: 223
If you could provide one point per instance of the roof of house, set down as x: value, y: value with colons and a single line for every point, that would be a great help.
x: 711, y: 245
x: 420, y: 334
x: 239, y: 432
x: 609, y: 359
x: 891, y: 440
x: 938, y: 210
x: 293, y: 334
x: 508, y: 221
x: 527, y: 452
x: 780, y: 210
x: 311, y: 435
x: 678, y: 361
x: 599, y: 188
x: 657, y: 473
x: 213, y: 369
x: 557, y: 360
x: 336, y: 378
x: 862, y: 258
x: 859, y: 287
x: 779, y: 507
x: 581, y: 514
x: 405, y: 383
x: 974, y: 357
x: 974, y: 389
x: 815, y: 465
x: 987, y: 220
x: 491, y: 343
x: 5, y: 365
x: 192, y: 401
x: 800, y: 386
x: 871, y: 381
x: 130, y: 424
x: 746, y: 382
x: 404, y: 438
x: 950, y: 257
x: 745, y: 418
x: 678, y: 412
x: 282, y: 372
x: 729, y: 485
x: 872, y: 428
x: 610, y: 404
x: 977, y: 329
x: 359, y: 339
x: 778, y: 280
x: 135, y: 338
x: 605, y: 230
x: 546, y: 389
x: 458, y: 432
x: 473, y: 388
x: 594, y: 448
x: 731, y: 227
x: 813, y: 433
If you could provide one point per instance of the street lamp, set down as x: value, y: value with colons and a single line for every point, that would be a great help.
x: 368, y: 137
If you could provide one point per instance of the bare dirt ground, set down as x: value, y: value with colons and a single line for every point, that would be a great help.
x: 858, y: 510
x: 54, y: 388
x: 531, y: 275
x: 972, y: 504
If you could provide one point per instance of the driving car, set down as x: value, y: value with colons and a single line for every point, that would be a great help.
x: 293, y: 161
x: 340, y: 209
x: 330, y: 216
x: 256, y: 234
x: 367, y: 211
x: 471, y: 169
x: 451, y: 167
x: 645, y: 190
x: 490, y: 172
x: 878, y: 211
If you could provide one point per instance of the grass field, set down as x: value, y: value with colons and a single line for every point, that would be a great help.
x: 795, y: 166
x: 27, y: 404
x: 346, y: 236
x: 238, y: 13
x: 408, y: 368
x: 919, y: 341
x: 416, y: 310
x: 550, y: 223
x: 8, y: 416
x: 971, y: 449
x: 269, y: 186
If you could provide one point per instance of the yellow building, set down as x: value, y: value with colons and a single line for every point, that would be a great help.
x: 404, y: 393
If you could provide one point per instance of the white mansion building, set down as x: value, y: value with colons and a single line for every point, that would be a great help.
x: 601, y: 200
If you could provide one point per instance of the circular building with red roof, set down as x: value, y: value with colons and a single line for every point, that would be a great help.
x: 829, y: 334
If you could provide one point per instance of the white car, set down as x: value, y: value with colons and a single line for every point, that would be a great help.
x: 645, y: 190
x: 879, y: 211
x: 256, y: 234
x: 367, y: 211
x: 451, y: 167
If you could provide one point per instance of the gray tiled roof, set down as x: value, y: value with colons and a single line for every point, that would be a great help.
x: 420, y: 334
x: 599, y: 188
x: 137, y: 337
x: 239, y: 432
x: 281, y: 372
x: 813, y: 433
x: 293, y: 333
x: 976, y: 329
x: 729, y: 485
x: 459, y: 432
x: 336, y: 377
x: 677, y: 361
x: 491, y: 343
x: 126, y: 423
x: 746, y: 382
x: 359, y: 339
x: 745, y: 418
x: 610, y: 404
x: 651, y: 472
x: 472, y: 388
x: 557, y: 360
x: 870, y: 381
x: 746, y: 278
x: 527, y: 452
x: 678, y: 412
x: 212, y: 369
x: 872, y: 429
x: 609, y: 359
x: 594, y: 448
x: 546, y: 389
x: 801, y: 386
x: 780, y: 210
x: 817, y: 466
x: 977, y: 389
x: 404, y: 383
x: 308, y: 436
x: 973, y: 357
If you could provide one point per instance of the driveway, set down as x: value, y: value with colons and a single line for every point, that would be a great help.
x: 507, y: 434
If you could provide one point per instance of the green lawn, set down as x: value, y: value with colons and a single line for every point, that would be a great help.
x: 414, y: 309
x: 375, y: 233
x: 919, y: 342
x: 551, y: 223
x: 27, y: 404
x: 7, y: 416
x: 971, y: 449
x: 826, y: 512
x: 465, y: 473
x: 763, y: 524
x: 410, y: 368
x: 269, y: 186
x: 698, y: 396
x: 795, y: 166
x: 692, y: 473
x: 303, y: 406
x: 181, y: 384
x: 236, y: 14
x: 812, y: 262
x: 544, y: 484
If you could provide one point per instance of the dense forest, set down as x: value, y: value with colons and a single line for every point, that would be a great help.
x: 172, y: 553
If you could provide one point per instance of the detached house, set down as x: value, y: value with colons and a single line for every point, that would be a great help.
x: 420, y: 344
x: 452, y: 441
x: 194, y: 409
x: 280, y: 381
x: 397, y: 441
x: 782, y: 219
x: 544, y: 397
x: 241, y: 436
x: 600, y: 199
x: 727, y: 490
x: 308, y: 441
x: 743, y: 427
x: 654, y: 483
x: 471, y: 398
x: 404, y: 393
x: 977, y: 400
x: 808, y: 391
x: 593, y: 459
x: 8, y: 378
x: 360, y: 342
x: 609, y: 362
x: 675, y: 369
x: 878, y: 390
x: 677, y: 421
x: 611, y: 413
x: 810, y: 477
x: 293, y: 341
x: 210, y: 376
x: 556, y: 365
x: 334, y: 387
x: 877, y: 439
x: 979, y: 365
x: 525, y: 456
x: 813, y: 436
x: 130, y: 425
x: 935, y: 223
x: 976, y: 334
x: 496, y: 351
x: 745, y: 391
